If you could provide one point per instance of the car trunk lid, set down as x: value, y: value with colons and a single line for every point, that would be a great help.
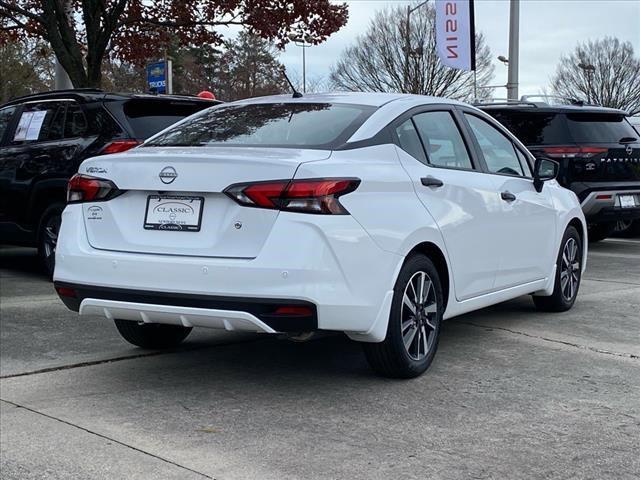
x: 170, y: 187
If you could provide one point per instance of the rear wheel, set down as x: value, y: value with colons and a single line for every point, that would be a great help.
x: 48, y: 230
x: 627, y: 228
x: 568, y: 275
x: 600, y: 231
x: 414, y: 322
x: 152, y: 336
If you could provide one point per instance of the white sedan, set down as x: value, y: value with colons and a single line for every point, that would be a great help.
x: 376, y: 215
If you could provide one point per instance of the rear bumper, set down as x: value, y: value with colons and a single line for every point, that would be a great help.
x: 328, y: 263
x: 605, y: 206
x: 188, y: 310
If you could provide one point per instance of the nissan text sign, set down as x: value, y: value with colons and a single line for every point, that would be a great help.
x: 455, y: 34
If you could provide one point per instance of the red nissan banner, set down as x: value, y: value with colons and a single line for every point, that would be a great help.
x: 455, y: 34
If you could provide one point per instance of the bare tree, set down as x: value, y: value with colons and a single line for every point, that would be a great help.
x: 376, y: 62
x: 604, y: 72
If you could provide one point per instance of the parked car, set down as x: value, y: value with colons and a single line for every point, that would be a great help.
x: 45, y: 137
x: 598, y: 151
x: 376, y: 215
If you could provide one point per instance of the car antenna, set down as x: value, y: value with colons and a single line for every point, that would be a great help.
x: 296, y: 94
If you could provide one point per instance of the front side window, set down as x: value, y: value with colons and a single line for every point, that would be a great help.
x: 498, y: 151
x: 6, y: 115
x: 442, y: 140
x: 40, y: 122
x: 287, y: 125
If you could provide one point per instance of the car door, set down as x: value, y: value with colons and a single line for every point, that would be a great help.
x: 7, y: 116
x: 527, y: 231
x: 462, y: 201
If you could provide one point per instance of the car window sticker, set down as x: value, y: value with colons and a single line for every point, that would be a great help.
x: 36, y: 124
x: 23, y: 127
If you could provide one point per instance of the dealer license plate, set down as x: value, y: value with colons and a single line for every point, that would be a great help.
x: 627, y: 201
x: 174, y: 213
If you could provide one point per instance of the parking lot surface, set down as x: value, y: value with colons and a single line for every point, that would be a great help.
x: 513, y: 393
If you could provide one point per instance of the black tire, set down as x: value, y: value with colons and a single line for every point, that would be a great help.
x: 391, y: 358
x: 600, y: 231
x: 153, y: 336
x: 627, y: 228
x: 564, y: 295
x: 47, y: 236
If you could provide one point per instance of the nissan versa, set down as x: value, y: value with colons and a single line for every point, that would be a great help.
x: 376, y: 215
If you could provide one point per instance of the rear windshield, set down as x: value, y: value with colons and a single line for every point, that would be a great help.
x: 599, y: 128
x: 148, y: 117
x: 548, y: 128
x: 289, y: 125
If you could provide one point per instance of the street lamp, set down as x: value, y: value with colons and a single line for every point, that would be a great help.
x: 303, y: 41
x: 589, y: 70
x: 407, y: 41
x: 504, y: 60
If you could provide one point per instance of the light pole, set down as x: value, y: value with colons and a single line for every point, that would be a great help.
x: 514, y: 50
x: 407, y: 42
x: 304, y: 41
x: 588, y: 70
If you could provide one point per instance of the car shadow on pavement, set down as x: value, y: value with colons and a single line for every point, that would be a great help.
x: 19, y: 260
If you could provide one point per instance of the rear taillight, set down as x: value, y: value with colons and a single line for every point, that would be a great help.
x: 118, y: 146
x: 572, y: 152
x: 83, y: 188
x: 306, y: 196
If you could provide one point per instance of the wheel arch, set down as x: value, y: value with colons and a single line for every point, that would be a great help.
x: 436, y: 255
x: 581, y: 227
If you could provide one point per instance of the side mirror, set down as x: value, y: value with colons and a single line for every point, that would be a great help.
x: 544, y: 170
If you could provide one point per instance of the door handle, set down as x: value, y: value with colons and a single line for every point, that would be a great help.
x: 431, y: 182
x: 507, y: 196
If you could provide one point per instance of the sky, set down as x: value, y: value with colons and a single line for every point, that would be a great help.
x: 548, y: 29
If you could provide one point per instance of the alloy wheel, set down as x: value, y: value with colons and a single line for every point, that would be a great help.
x: 418, y: 316
x: 622, y: 225
x: 570, y: 271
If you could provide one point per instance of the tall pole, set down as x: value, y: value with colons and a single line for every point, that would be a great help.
x: 304, y: 69
x: 514, y: 39
x: 62, y: 80
x: 407, y: 50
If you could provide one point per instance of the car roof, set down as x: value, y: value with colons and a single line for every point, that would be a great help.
x: 524, y: 106
x: 85, y: 95
x: 373, y: 99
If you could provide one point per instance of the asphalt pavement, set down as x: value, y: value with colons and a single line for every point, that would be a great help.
x: 512, y: 393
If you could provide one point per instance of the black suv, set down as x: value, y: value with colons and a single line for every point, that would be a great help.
x: 45, y: 137
x: 598, y: 151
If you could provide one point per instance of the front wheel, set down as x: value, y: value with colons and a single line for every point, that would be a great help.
x: 414, y: 322
x: 153, y: 336
x: 568, y: 275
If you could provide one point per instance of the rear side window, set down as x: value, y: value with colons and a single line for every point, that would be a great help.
x: 75, y: 124
x: 442, y: 140
x: 287, y: 125
x: 148, y: 117
x: 534, y: 128
x: 598, y: 127
x: 410, y: 141
x: 6, y: 115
